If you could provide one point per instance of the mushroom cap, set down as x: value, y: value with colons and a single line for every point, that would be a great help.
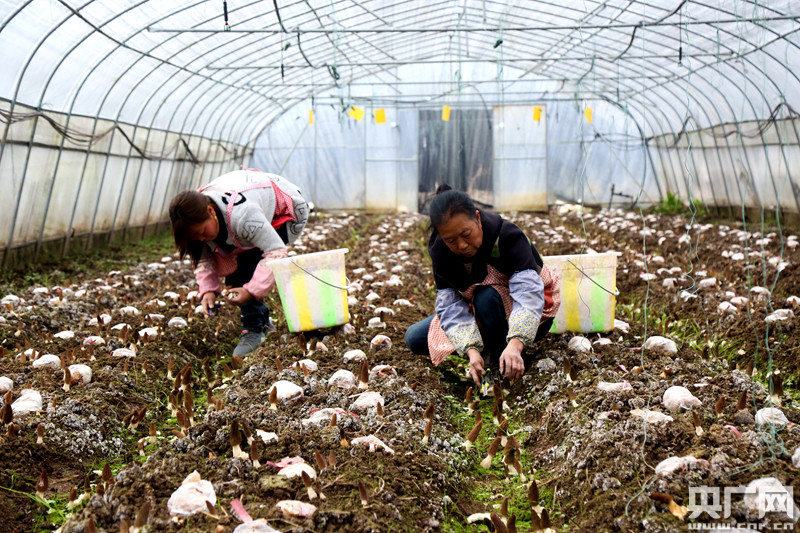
x: 296, y: 508
x: 677, y: 397
x: 287, y: 391
x: 296, y: 470
x: 191, y: 496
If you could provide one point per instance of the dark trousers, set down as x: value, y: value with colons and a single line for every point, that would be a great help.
x: 492, y: 323
x: 255, y: 315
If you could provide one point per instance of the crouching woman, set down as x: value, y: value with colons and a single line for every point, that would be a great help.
x: 495, y: 297
x: 232, y: 227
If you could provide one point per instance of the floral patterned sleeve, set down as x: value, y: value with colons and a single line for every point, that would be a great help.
x: 457, y: 322
x: 527, y: 291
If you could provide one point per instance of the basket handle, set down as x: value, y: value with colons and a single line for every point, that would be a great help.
x: 322, y: 280
x: 616, y: 291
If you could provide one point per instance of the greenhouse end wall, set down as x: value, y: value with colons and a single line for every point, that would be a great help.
x: 102, y: 182
x: 344, y: 163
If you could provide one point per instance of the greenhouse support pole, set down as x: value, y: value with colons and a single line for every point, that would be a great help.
x: 58, y: 160
x: 691, y: 156
x: 157, y: 175
x: 683, y: 162
x: 743, y: 149
x: 182, y: 129
x: 792, y: 184
x: 666, y: 173
x: 366, y: 186
x: 730, y: 154
x: 766, y: 150
x: 197, y: 173
x: 315, y: 187
x: 61, y: 144
x: 783, y: 155
x: 8, y: 127
x: 670, y: 157
x: 185, y: 180
x: 126, y: 225
x: 21, y: 188
x: 487, y: 29
x: 17, y: 85
x: 125, y: 171
x: 703, y: 152
x: 763, y: 49
x: 210, y: 168
x: 645, y: 150
x: 719, y: 157
x: 647, y: 147
x: 50, y: 192
x: 717, y: 151
x: 664, y: 152
x: 95, y: 122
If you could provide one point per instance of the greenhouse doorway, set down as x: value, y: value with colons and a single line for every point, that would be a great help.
x: 458, y: 152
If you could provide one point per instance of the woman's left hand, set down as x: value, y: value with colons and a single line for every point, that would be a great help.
x: 511, y: 364
x: 239, y: 296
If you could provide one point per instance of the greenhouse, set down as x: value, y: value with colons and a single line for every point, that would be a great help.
x: 380, y: 265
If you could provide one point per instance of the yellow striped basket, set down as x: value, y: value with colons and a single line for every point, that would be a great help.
x: 587, y: 298
x: 313, y: 289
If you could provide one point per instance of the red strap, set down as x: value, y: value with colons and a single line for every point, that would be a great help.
x: 281, y: 220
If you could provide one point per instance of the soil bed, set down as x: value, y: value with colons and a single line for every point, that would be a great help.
x: 593, y: 461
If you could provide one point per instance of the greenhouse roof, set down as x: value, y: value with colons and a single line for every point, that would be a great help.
x: 177, y: 66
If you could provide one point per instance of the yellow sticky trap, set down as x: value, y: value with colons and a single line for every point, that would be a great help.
x: 380, y: 116
x: 446, y: 113
x: 310, y: 116
x: 537, y: 113
x: 588, y: 114
x: 356, y: 112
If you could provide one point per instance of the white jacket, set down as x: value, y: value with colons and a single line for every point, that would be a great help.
x: 256, y: 208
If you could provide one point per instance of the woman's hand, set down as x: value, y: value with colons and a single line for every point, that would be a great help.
x: 476, y: 370
x: 208, y: 301
x: 239, y: 296
x: 511, y: 364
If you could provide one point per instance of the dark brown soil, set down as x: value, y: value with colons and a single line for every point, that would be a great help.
x: 593, y: 463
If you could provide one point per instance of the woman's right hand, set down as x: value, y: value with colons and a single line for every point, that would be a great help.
x: 476, y: 366
x: 208, y: 301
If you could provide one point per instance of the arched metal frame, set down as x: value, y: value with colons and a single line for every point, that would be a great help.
x: 248, y: 95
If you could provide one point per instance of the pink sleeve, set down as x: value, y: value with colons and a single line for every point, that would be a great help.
x: 263, y: 279
x: 206, y: 276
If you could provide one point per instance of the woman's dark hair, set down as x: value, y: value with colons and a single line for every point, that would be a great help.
x: 447, y: 203
x: 187, y: 209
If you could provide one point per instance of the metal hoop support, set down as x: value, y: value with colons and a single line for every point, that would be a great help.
x: 616, y: 291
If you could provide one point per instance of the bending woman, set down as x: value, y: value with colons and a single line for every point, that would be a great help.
x: 231, y: 227
x: 494, y: 297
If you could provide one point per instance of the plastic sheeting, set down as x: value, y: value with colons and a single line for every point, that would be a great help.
x: 166, y: 75
x: 499, y: 154
x: 169, y: 65
x: 63, y: 189
x: 713, y: 165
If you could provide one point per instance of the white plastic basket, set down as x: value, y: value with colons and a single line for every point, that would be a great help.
x: 313, y: 289
x: 588, y: 288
